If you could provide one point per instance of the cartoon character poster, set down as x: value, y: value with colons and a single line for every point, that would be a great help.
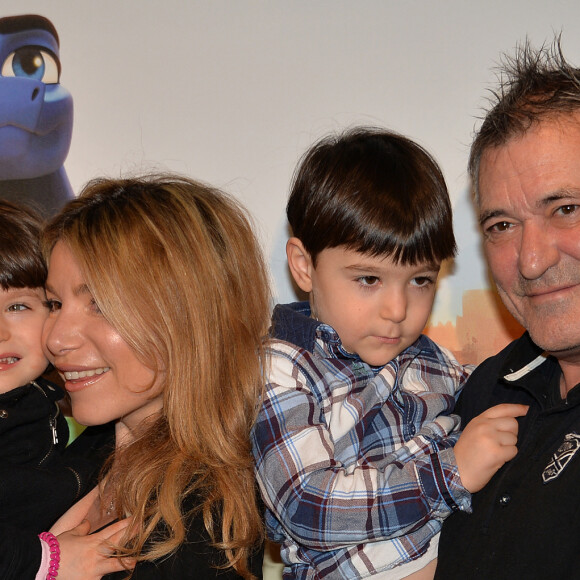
x: 36, y: 115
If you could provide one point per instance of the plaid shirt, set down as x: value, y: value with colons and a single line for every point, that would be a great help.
x: 355, y: 463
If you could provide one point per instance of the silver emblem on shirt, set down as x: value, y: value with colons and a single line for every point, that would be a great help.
x: 562, y: 457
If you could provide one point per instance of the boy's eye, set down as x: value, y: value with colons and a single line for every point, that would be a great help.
x: 422, y: 281
x: 368, y: 280
x: 17, y: 307
x: 52, y: 305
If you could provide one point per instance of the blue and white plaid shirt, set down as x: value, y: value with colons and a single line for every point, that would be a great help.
x: 355, y: 463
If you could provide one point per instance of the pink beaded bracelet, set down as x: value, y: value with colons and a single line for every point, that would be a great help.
x: 52, y: 542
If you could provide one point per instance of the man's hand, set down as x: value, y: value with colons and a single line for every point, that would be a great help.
x: 487, y: 442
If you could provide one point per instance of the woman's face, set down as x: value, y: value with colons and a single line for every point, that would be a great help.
x: 102, y: 374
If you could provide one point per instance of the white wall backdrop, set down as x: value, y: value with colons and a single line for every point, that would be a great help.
x: 233, y: 92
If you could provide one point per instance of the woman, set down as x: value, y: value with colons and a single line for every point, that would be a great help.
x: 158, y: 302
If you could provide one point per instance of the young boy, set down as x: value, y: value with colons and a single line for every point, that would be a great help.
x: 37, y: 482
x: 354, y: 443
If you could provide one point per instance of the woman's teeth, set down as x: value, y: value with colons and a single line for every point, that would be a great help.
x: 70, y: 376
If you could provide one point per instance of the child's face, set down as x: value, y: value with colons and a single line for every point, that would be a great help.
x: 377, y: 307
x: 22, y: 315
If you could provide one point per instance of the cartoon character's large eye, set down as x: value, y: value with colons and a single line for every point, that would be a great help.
x: 34, y: 63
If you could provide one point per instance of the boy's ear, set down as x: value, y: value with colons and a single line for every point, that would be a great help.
x: 300, y: 264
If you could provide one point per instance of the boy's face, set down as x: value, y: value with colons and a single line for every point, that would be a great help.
x: 22, y: 316
x: 377, y: 307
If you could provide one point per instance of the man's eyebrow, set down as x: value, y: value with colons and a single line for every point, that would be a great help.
x: 571, y: 194
x: 563, y: 194
x: 492, y: 213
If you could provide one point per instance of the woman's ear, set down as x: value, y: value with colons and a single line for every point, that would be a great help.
x: 300, y: 264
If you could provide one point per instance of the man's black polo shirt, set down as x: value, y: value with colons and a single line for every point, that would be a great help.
x: 526, y: 521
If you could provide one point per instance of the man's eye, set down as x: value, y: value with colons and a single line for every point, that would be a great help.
x: 368, y: 280
x: 17, y: 307
x: 499, y: 227
x: 568, y: 209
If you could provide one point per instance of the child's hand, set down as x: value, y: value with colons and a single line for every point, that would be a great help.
x: 487, y: 442
x: 87, y: 557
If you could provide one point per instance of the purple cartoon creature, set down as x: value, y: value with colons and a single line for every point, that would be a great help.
x: 36, y: 115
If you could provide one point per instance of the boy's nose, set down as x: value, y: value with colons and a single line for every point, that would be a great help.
x: 394, y: 306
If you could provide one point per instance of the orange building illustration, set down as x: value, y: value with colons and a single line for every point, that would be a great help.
x: 483, y: 329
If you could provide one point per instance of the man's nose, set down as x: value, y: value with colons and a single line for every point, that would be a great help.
x: 538, y: 250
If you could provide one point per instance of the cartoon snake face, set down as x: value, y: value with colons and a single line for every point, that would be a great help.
x: 36, y: 111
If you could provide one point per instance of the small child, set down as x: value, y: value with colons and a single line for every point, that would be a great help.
x: 37, y: 485
x: 354, y: 443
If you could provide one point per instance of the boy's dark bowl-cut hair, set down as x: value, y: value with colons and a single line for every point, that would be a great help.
x: 373, y: 191
x: 21, y: 261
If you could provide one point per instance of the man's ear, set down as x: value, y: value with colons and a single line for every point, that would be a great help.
x: 300, y: 264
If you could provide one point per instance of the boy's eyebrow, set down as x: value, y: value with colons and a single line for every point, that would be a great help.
x: 362, y: 268
x: 375, y: 269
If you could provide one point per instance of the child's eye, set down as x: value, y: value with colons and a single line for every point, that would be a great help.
x: 19, y: 307
x: 368, y: 280
x: 53, y: 305
x: 422, y: 281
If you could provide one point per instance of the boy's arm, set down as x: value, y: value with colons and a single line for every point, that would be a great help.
x: 487, y: 442
x: 322, y: 503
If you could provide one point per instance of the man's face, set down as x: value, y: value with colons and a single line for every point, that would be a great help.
x: 530, y: 216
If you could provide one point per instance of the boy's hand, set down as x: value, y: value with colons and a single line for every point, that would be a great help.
x: 487, y: 442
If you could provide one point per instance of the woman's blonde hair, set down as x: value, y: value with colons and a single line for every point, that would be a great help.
x: 175, y: 268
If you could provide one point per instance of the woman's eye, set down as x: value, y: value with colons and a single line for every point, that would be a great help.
x: 52, y: 305
x: 368, y: 280
x: 95, y: 307
x: 32, y: 62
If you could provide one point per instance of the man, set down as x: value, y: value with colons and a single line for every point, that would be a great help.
x: 525, y: 165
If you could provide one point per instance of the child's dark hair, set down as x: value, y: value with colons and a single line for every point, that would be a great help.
x: 373, y: 191
x: 21, y: 262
